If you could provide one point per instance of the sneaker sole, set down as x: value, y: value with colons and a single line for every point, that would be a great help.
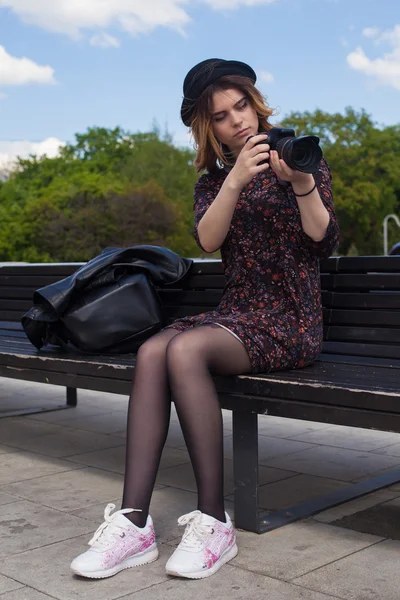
x: 228, y: 555
x: 134, y: 561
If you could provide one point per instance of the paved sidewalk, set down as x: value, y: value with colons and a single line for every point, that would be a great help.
x: 59, y: 469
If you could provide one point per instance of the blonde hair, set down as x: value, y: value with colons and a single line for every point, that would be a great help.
x: 210, y: 154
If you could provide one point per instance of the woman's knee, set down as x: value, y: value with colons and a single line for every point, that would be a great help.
x: 183, y: 350
x: 155, y: 348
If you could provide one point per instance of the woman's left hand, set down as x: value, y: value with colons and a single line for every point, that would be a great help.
x: 284, y: 172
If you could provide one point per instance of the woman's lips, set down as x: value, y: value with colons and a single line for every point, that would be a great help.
x: 242, y: 132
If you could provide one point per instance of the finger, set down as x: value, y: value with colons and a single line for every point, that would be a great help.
x: 255, y: 139
x: 261, y: 156
x: 263, y: 167
x: 259, y: 148
x: 285, y: 168
x: 275, y: 160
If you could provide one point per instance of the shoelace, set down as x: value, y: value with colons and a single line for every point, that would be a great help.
x: 107, y: 530
x: 196, y: 531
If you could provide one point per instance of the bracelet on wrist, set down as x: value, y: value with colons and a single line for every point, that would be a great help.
x: 307, y: 194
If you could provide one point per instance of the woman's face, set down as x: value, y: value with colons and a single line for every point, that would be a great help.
x: 233, y: 119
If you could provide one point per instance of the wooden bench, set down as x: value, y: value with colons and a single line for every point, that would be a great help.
x: 356, y: 380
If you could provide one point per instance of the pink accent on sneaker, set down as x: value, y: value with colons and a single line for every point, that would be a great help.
x: 117, y: 544
x: 132, y: 543
x: 206, y: 545
x: 221, y: 540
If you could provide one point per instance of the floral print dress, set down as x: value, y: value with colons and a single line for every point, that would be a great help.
x: 272, y: 298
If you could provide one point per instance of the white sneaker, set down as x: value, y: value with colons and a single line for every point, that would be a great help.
x: 206, y: 545
x: 117, y: 544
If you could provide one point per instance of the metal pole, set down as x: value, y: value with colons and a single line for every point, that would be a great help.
x: 385, y: 235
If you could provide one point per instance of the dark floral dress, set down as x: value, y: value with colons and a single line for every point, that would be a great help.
x: 272, y: 300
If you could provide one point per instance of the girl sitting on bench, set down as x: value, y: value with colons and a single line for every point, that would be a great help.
x: 272, y: 224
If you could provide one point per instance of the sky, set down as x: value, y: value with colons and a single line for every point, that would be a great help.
x: 66, y: 65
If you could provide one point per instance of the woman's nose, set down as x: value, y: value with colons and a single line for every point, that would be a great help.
x: 236, y: 120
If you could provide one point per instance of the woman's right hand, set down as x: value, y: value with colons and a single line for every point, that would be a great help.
x: 247, y: 163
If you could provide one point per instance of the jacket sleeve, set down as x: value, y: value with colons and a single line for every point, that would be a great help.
x: 204, y: 196
x: 325, y: 247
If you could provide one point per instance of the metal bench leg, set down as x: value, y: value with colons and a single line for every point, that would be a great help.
x: 245, y: 470
x: 72, y: 396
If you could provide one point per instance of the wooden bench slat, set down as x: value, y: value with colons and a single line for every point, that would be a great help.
x: 366, y: 300
x: 365, y: 317
x: 363, y: 334
x: 357, y: 264
x: 361, y: 349
x: 370, y: 281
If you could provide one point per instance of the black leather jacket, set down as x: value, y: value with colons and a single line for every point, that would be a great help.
x: 161, y: 265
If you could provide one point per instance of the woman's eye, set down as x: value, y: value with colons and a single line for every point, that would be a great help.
x: 243, y: 105
x: 219, y: 119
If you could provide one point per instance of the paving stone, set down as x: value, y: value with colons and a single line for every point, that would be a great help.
x: 372, y: 574
x: 69, y: 416
x: 392, y: 450
x: 6, y: 498
x: 59, y: 582
x: 286, y: 428
x: 291, y: 491
x: 19, y: 466
x: 7, y: 584
x: 25, y: 593
x: 113, y: 459
x: 296, y: 549
x: 106, y: 422
x: 71, y: 490
x: 353, y: 438
x: 25, y: 525
x: 13, y: 390
x: 354, y: 506
x: 68, y: 441
x: 182, y: 476
x: 229, y: 583
x: 16, y: 430
x: 334, y: 463
x: 382, y: 520
x: 269, y: 447
x: 6, y: 449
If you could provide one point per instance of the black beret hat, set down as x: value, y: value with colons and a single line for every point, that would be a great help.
x: 204, y: 74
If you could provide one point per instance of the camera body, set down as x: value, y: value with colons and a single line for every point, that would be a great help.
x: 302, y: 153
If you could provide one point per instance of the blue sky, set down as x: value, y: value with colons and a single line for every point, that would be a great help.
x: 66, y: 65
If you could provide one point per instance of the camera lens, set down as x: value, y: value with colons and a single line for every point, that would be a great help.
x: 302, y: 154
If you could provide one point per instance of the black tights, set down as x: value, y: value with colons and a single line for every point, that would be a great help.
x: 181, y: 365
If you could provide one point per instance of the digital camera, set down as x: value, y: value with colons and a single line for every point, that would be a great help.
x: 302, y: 153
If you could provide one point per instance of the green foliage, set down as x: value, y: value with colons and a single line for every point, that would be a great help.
x: 366, y: 174
x: 108, y: 188
x: 113, y: 188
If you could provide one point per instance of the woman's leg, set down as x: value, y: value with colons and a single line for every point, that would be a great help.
x: 148, y: 422
x: 192, y: 357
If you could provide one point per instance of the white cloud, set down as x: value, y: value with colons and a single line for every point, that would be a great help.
x: 21, y: 71
x: 266, y: 77
x: 104, y: 40
x: 386, y: 69
x: 73, y: 17
x: 370, y: 32
x: 9, y: 151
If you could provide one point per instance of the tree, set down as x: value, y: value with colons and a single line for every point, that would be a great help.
x: 42, y: 195
x: 366, y: 172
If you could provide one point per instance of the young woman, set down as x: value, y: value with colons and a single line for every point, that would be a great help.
x: 272, y: 224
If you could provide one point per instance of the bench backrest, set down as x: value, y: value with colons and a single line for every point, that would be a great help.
x: 360, y: 297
